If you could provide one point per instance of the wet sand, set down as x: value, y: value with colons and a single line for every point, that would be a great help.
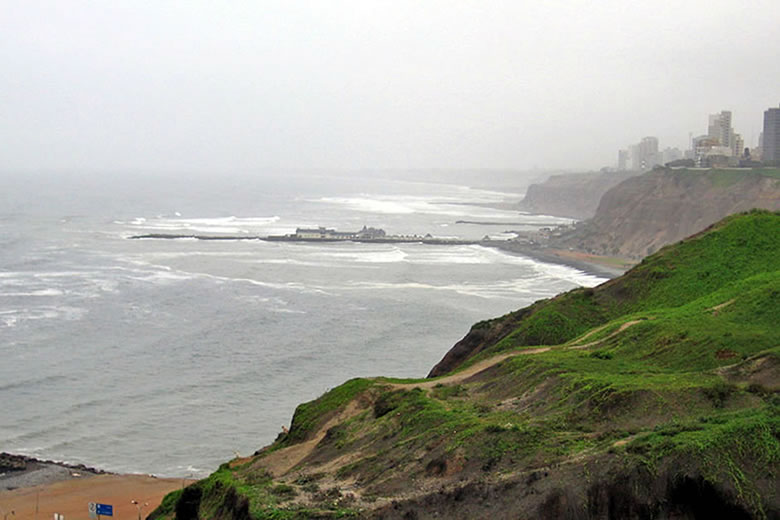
x: 590, y: 264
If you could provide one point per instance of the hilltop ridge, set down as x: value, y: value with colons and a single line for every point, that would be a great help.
x: 654, y: 395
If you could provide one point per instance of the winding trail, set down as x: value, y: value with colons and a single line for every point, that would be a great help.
x: 618, y: 331
x: 716, y: 310
x: 474, y: 369
x: 284, y: 460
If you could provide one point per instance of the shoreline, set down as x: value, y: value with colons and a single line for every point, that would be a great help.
x: 22, y: 471
x: 589, y: 264
x: 35, y: 488
x: 598, y: 266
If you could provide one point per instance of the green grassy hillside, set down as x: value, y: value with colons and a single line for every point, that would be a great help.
x: 730, y: 251
x: 653, y: 395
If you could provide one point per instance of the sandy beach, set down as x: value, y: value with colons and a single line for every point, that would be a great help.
x: 591, y: 264
x: 44, y: 488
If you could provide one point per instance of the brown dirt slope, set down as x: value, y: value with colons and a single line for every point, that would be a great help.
x: 573, y: 195
x: 642, y: 214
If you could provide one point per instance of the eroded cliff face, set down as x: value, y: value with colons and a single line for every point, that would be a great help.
x: 575, y: 195
x: 642, y: 214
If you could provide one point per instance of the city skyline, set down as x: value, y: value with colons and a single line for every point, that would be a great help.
x: 721, y: 140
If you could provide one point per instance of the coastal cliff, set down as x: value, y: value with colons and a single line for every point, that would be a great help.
x: 644, y: 213
x: 575, y: 195
x: 654, y: 395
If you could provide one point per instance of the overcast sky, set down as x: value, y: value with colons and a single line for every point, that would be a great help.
x: 210, y: 85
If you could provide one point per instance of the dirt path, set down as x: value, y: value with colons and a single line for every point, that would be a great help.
x: 280, y: 462
x: 472, y: 370
x: 487, y: 363
x: 716, y: 310
x: 592, y: 332
x: 592, y: 343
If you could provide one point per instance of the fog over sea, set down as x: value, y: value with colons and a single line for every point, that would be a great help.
x: 168, y: 356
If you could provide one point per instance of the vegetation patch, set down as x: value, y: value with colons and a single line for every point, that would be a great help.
x: 308, y: 416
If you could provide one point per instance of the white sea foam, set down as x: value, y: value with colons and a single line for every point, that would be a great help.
x: 487, y: 291
x: 156, y: 273
x: 371, y: 205
x: 545, y: 269
x: 164, y: 276
x: 459, y: 255
x: 9, y: 321
x: 404, y: 205
x: 569, y: 274
x: 369, y: 256
x: 73, y: 284
x: 40, y: 292
x: 191, y: 471
x: 282, y: 310
x: 228, y: 225
x: 289, y: 261
x: 190, y: 254
x: 502, y: 236
x: 256, y: 221
x: 56, y: 274
x: 13, y: 317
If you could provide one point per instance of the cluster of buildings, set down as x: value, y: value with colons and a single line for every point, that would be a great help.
x: 645, y: 154
x: 322, y: 233
x: 720, y: 146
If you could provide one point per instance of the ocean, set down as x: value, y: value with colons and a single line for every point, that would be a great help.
x: 170, y: 356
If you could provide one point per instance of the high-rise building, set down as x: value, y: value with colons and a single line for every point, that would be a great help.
x: 771, y: 143
x: 738, y: 147
x: 622, y: 160
x: 720, y: 128
x: 644, y: 155
x: 648, y: 153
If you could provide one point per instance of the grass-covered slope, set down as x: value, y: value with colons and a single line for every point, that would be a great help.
x: 729, y: 251
x: 654, y: 395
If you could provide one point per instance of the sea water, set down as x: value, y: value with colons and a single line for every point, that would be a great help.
x: 171, y: 356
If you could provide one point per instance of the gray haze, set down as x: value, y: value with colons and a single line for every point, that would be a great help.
x: 221, y: 86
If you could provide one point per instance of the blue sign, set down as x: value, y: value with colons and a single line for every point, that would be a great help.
x: 104, y: 510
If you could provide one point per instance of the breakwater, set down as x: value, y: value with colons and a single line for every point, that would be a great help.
x: 293, y: 238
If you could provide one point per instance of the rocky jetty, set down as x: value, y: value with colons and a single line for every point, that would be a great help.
x: 20, y: 471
